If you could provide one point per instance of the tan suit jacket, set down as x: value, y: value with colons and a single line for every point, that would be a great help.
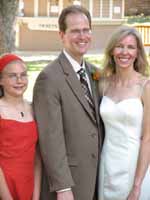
x: 69, y: 135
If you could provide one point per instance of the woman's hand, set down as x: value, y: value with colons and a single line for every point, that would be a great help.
x: 134, y: 194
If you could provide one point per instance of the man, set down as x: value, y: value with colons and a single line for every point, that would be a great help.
x: 69, y: 128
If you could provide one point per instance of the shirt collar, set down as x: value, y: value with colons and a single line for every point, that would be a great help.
x: 76, y: 66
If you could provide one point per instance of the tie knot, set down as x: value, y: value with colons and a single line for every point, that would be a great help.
x: 82, y: 72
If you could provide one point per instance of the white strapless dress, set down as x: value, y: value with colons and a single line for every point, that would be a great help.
x: 123, y: 122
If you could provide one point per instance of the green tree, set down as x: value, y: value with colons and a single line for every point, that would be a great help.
x: 8, y: 11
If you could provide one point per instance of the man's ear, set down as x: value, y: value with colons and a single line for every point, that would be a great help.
x: 61, y: 34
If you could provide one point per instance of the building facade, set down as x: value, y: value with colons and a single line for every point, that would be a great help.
x: 137, y: 7
x: 37, y: 23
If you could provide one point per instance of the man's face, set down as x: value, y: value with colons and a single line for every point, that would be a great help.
x: 77, y: 37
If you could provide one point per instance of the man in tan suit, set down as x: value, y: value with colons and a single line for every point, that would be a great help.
x: 69, y: 128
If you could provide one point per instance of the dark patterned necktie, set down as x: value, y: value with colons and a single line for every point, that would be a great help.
x: 84, y: 84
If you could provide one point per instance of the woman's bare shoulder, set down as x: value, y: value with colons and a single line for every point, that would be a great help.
x: 104, y: 83
x: 147, y: 85
x: 146, y: 89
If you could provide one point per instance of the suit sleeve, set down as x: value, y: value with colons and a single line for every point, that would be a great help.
x: 47, y: 108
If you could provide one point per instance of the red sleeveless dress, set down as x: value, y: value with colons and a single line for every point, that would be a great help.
x: 17, y: 154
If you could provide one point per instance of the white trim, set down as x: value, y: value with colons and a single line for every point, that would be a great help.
x: 110, y: 9
x: 106, y: 21
x: 17, y: 41
x: 91, y: 7
x: 36, y: 8
x: 48, y: 8
x: 123, y: 8
x: 101, y: 8
x: 61, y: 4
x: 55, y: 20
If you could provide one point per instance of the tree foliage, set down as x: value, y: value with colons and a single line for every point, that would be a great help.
x: 8, y: 11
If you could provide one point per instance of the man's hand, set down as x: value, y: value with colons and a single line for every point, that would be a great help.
x: 66, y: 195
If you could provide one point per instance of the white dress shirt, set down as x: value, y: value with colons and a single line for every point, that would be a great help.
x: 76, y: 66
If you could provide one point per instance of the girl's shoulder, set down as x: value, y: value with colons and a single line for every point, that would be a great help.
x: 2, y: 104
x: 28, y: 105
x: 1, y: 101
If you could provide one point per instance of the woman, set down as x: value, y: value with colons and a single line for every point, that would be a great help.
x: 125, y: 110
x: 19, y: 160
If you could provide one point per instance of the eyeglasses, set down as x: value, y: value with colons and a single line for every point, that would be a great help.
x: 127, y: 48
x: 15, y: 77
x: 78, y: 32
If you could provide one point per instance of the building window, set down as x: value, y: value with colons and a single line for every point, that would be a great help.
x: 106, y: 8
x: 53, y: 8
x: 21, y: 8
x: 101, y: 8
x: 77, y: 2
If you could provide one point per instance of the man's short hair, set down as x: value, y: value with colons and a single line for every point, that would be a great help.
x: 73, y: 9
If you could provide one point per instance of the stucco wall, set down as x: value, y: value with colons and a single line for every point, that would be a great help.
x: 136, y: 7
x: 50, y: 41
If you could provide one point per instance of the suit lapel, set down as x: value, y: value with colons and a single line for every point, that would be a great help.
x: 96, y: 99
x: 74, y: 84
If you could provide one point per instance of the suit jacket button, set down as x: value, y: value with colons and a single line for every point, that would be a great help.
x: 93, y: 135
x: 93, y: 155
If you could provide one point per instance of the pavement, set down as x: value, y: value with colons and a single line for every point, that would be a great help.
x: 36, y: 55
x: 51, y: 55
x: 47, y: 55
